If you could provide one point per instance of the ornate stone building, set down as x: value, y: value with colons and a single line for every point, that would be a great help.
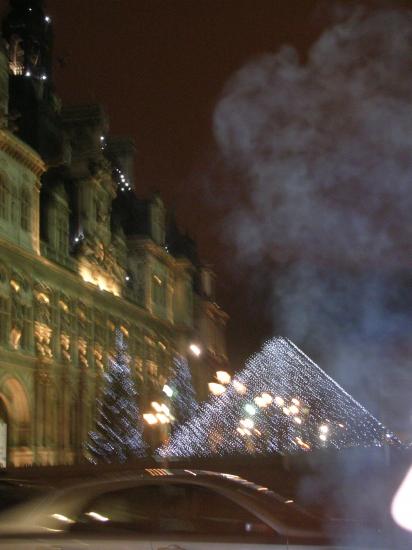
x: 80, y: 256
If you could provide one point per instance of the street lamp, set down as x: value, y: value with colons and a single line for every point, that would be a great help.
x: 195, y: 349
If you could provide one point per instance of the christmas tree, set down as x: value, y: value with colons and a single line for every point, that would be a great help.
x: 183, y: 399
x: 281, y: 402
x: 118, y: 433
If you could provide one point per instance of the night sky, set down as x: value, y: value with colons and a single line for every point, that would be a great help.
x: 159, y: 67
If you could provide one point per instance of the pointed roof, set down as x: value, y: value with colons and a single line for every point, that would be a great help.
x: 281, y: 402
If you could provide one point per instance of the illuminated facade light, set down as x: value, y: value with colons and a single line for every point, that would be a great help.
x: 279, y: 401
x: 322, y: 437
x: 296, y: 401
x: 223, y: 377
x: 324, y: 429
x: 28, y: 73
x: 195, y: 349
x: 294, y: 409
x: 297, y: 420
x: 47, y: 18
x: 156, y: 406
x: 43, y: 77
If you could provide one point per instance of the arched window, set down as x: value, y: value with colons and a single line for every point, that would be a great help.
x: 4, y: 199
x: 25, y: 210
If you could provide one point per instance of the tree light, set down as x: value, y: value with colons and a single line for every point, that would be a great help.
x: 239, y: 387
x: 216, y: 389
x: 250, y: 409
x: 223, y: 377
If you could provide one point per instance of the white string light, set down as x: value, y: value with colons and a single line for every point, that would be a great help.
x: 328, y: 415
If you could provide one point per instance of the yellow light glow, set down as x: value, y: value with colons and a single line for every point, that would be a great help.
x: 43, y: 298
x: 150, y: 418
x: 63, y: 305
x: 15, y: 285
x: 279, y: 401
x: 267, y: 398
x: 260, y: 402
x: 290, y: 501
x: 298, y: 420
x: 294, y: 409
x: 162, y: 418
x: 286, y: 411
x: 158, y: 280
x: 103, y: 282
x: 241, y: 431
x: 165, y: 409
x: 156, y: 406
x: 239, y: 387
x: 295, y: 401
x: 216, y: 389
x: 223, y: 377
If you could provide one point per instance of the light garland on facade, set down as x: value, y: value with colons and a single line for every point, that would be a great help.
x: 281, y: 402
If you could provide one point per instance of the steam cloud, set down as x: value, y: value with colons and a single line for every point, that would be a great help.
x: 325, y: 151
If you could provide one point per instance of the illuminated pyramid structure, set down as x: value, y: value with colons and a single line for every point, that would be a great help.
x: 281, y: 402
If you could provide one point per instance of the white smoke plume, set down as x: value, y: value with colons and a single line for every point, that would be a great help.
x: 324, y: 146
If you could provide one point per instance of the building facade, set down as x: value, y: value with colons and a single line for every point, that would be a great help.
x: 80, y: 257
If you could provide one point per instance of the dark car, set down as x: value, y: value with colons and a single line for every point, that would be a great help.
x: 165, y: 509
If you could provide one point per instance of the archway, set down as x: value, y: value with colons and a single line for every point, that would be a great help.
x: 15, y: 415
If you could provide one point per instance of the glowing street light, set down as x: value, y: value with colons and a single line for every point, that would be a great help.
x: 168, y: 390
x: 250, y: 409
x: 195, y: 349
x: 216, y: 389
x: 223, y: 377
x: 150, y: 419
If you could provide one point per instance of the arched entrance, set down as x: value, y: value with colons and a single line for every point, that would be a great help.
x: 15, y: 423
x: 4, y: 420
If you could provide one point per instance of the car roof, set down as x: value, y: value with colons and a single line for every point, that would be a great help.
x: 286, y: 517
